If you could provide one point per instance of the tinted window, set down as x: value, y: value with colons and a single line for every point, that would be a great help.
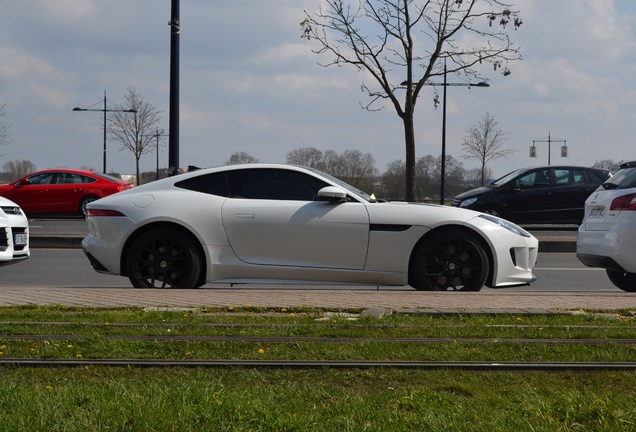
x: 72, y: 178
x: 566, y: 177
x: 274, y: 184
x: 595, y: 178
x: 535, y: 179
x: 213, y: 184
x: 624, y: 178
x: 44, y: 178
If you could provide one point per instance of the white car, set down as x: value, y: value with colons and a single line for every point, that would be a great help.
x: 269, y: 223
x: 607, y: 236
x: 14, y: 233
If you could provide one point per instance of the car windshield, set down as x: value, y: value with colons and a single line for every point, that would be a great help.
x: 505, y: 179
x: 344, y: 185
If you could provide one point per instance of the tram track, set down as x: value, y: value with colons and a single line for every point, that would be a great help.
x: 297, y: 339
x: 324, y: 364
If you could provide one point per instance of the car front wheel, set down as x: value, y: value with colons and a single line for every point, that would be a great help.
x: 164, y: 258
x: 450, y: 261
x: 623, y: 280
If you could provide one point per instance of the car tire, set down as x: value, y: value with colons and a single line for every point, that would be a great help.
x: 623, y: 280
x: 450, y: 261
x: 84, y: 202
x: 164, y: 258
x: 493, y: 211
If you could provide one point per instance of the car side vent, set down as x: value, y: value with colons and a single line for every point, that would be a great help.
x: 513, y: 256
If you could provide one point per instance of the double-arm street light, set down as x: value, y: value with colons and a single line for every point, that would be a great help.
x: 445, y: 84
x: 104, y: 110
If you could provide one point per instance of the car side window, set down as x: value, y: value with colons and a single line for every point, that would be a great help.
x: 535, y: 179
x: 273, y: 184
x: 43, y: 178
x: 569, y: 177
x: 213, y: 184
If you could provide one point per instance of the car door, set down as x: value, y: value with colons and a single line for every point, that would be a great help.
x: 527, y: 198
x: 271, y: 218
x: 568, y: 195
x: 69, y: 188
x: 33, y: 195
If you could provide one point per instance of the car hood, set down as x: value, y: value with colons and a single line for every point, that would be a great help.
x: 7, y: 202
x: 474, y: 192
x: 416, y: 213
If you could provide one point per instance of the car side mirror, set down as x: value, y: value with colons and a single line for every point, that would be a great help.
x: 332, y: 194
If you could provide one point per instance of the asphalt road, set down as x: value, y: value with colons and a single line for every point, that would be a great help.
x: 556, y: 272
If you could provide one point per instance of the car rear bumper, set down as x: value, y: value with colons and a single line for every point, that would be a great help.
x: 612, y: 249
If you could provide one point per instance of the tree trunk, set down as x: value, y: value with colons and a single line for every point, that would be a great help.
x: 409, y: 139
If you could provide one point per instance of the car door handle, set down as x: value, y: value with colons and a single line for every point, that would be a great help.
x: 244, y: 216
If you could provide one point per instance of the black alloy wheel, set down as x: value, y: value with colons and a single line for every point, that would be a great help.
x: 450, y: 261
x: 164, y: 258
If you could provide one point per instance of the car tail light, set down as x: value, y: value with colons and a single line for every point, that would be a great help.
x: 625, y: 202
x: 97, y: 213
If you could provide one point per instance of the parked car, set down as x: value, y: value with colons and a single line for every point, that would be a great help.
x: 540, y: 195
x: 607, y: 236
x: 61, y: 191
x: 14, y: 233
x: 267, y: 223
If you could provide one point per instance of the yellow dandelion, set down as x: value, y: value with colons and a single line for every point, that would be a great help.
x: 284, y: 309
x: 69, y: 346
x: 185, y: 315
x: 33, y: 350
x: 261, y: 351
x: 79, y: 356
x: 519, y: 319
x: 48, y: 387
x: 3, y: 347
x: 292, y: 314
x: 188, y: 353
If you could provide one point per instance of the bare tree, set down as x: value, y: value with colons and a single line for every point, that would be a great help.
x: 608, y: 164
x: 135, y: 131
x: 406, y: 43
x: 15, y: 170
x: 4, y: 128
x: 240, y: 157
x: 485, y: 142
x: 308, y: 156
x: 393, y: 181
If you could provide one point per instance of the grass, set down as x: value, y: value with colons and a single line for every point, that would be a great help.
x: 253, y: 399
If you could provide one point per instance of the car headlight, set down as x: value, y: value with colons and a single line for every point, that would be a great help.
x: 505, y: 224
x: 468, y: 202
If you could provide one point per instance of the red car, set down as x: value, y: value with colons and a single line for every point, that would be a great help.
x: 62, y: 191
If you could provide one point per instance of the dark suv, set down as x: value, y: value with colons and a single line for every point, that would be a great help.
x: 540, y: 195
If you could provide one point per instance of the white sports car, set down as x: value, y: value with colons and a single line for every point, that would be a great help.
x: 267, y: 223
x: 14, y: 233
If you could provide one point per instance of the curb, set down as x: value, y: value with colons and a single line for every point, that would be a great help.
x: 65, y: 241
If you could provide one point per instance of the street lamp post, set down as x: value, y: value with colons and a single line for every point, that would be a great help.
x: 445, y: 84
x: 104, y: 110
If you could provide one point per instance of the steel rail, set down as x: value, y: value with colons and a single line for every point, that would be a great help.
x: 344, y: 339
x: 296, y: 364
x: 326, y: 324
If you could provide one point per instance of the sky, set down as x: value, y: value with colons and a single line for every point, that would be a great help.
x: 249, y: 82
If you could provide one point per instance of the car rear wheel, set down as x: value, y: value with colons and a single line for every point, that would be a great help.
x: 164, y: 258
x: 450, y: 261
x: 623, y: 280
x: 84, y: 202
